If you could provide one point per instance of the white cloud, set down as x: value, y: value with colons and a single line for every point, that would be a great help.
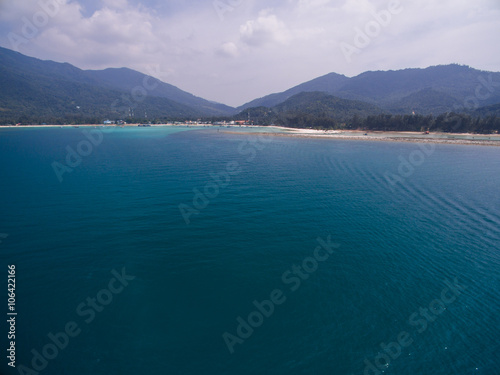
x: 214, y: 59
x: 228, y: 49
x: 267, y: 28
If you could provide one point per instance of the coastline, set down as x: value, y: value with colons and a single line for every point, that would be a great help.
x: 408, y: 137
x: 358, y: 135
x: 100, y: 126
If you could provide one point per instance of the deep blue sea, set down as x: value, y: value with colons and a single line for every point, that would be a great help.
x: 192, y: 251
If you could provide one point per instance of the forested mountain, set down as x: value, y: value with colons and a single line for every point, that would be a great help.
x: 329, y: 83
x: 433, y: 90
x: 424, y: 102
x: 488, y: 111
x: 311, y: 108
x: 128, y: 79
x: 33, y: 90
x: 36, y: 91
x: 323, y: 111
x: 322, y: 104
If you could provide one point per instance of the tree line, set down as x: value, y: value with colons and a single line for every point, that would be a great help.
x: 447, y: 123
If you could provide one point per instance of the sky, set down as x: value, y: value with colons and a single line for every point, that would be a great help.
x: 233, y: 51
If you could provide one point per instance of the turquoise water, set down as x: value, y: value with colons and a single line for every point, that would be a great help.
x: 380, y: 280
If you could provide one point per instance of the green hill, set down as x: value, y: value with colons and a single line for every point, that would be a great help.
x: 36, y: 91
x: 309, y: 109
x: 488, y: 111
x: 431, y: 90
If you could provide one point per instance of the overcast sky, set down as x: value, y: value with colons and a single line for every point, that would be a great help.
x: 233, y: 51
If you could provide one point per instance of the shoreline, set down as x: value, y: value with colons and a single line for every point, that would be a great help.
x: 388, y: 136
x: 358, y: 135
x: 103, y: 126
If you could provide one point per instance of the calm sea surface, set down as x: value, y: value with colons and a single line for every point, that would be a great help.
x: 192, y: 251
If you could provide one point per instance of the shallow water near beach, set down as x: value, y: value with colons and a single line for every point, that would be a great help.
x: 415, y: 267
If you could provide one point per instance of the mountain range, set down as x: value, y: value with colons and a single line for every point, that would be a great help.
x: 433, y: 90
x: 32, y: 88
x: 34, y: 91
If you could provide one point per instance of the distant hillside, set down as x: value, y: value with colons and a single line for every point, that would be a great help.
x: 321, y: 104
x: 425, y: 102
x: 127, y: 79
x: 330, y: 83
x: 33, y: 90
x: 32, y: 99
x: 311, y: 109
x: 323, y: 111
x: 491, y: 110
x: 36, y: 91
x: 433, y: 90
